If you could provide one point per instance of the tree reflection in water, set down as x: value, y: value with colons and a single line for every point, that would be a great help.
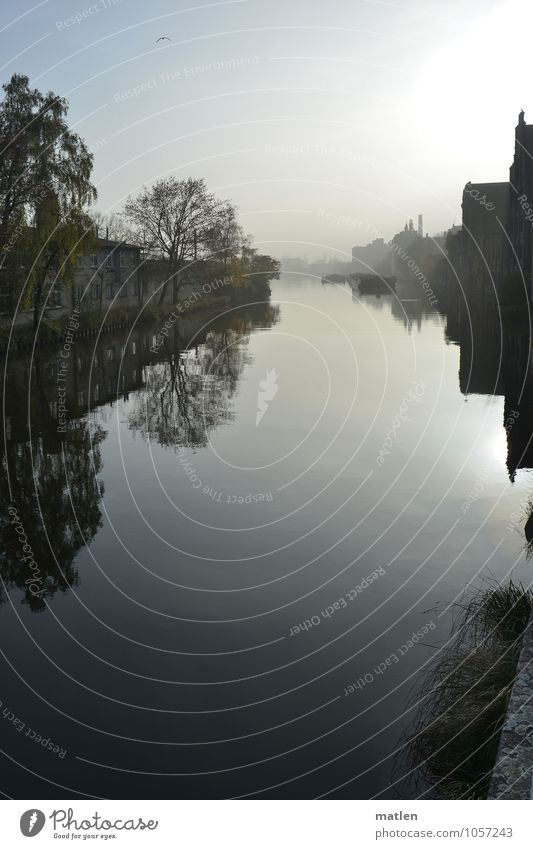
x: 56, y: 495
x: 50, y: 478
x: 189, y: 393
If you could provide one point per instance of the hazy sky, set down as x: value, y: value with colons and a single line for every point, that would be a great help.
x: 326, y: 123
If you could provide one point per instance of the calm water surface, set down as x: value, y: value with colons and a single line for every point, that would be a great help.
x: 234, y: 531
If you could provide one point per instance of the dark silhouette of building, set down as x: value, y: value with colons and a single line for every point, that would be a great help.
x: 497, y: 248
x: 521, y: 181
x: 486, y: 220
x: 368, y: 258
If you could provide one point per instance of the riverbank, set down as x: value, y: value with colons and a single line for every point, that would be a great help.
x: 472, y: 695
x: 89, y: 323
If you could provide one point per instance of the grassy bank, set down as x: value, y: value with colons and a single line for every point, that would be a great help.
x: 453, y: 744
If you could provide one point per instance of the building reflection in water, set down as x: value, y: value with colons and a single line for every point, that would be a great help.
x: 495, y: 359
x: 495, y: 354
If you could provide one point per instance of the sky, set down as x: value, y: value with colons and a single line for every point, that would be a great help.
x: 328, y: 124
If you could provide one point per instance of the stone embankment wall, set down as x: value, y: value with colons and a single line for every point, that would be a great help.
x: 513, y: 772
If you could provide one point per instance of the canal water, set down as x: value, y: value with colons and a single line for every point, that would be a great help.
x: 246, y: 544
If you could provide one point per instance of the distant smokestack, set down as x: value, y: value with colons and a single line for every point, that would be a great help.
x: 420, y: 225
x: 411, y: 224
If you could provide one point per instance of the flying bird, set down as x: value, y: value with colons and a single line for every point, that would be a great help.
x: 162, y: 38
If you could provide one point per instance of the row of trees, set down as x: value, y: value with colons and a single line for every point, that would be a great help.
x: 47, y: 216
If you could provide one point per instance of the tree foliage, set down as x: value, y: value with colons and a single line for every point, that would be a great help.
x: 45, y: 184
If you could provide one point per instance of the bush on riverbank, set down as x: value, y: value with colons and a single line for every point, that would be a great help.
x: 453, y: 744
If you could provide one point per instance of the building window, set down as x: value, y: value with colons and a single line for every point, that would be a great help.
x: 109, y: 290
x: 55, y: 296
x: 96, y: 290
x: 134, y: 347
x: 110, y: 353
x: 124, y: 291
x: 122, y: 260
x: 109, y: 261
x: 135, y: 288
x: 94, y: 260
x: 81, y: 292
x: 133, y: 259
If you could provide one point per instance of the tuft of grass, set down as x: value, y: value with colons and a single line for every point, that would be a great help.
x: 453, y: 743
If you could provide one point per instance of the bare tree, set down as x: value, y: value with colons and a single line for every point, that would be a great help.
x: 226, y: 236
x: 174, y: 219
x: 113, y: 225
